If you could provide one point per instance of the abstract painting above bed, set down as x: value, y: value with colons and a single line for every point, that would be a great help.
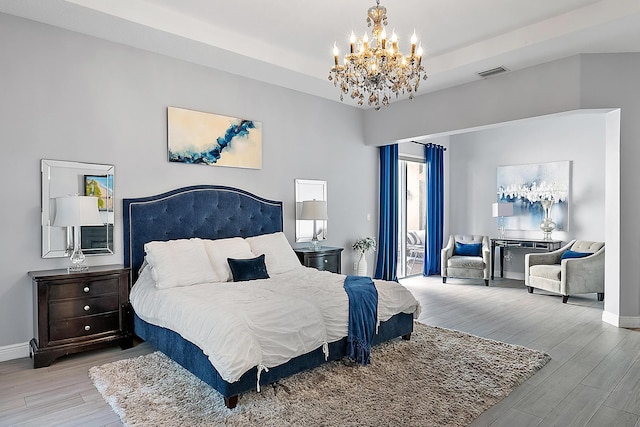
x: 197, y: 137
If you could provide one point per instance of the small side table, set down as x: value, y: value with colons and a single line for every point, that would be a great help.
x: 81, y: 311
x: 514, y: 242
x: 326, y: 258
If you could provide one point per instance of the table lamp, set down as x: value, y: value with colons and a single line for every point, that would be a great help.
x: 315, y: 210
x: 500, y: 210
x: 76, y: 211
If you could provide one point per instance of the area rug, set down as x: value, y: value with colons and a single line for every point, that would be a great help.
x: 438, y: 378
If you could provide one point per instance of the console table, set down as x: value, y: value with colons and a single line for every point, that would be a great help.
x: 514, y: 242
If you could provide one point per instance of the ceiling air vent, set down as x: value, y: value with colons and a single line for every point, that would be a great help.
x: 492, y: 72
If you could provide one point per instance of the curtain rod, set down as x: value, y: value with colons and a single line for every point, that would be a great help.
x: 430, y: 144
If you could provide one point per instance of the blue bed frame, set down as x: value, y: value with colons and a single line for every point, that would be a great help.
x: 217, y: 212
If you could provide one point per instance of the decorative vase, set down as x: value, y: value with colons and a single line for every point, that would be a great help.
x: 547, y: 225
x: 362, y: 265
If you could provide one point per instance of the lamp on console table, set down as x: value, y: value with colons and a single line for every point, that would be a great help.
x: 315, y: 210
x: 500, y: 210
x: 76, y: 211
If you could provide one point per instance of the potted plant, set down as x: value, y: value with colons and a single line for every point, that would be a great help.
x: 363, y: 246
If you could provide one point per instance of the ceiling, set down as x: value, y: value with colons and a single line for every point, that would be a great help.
x: 289, y: 42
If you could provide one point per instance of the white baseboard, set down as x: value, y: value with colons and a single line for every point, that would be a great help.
x: 14, y: 351
x: 621, y: 321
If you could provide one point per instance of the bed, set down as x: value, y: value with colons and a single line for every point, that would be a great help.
x: 212, y: 213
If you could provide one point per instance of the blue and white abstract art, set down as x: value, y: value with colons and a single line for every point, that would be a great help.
x: 526, y: 185
x: 210, y: 139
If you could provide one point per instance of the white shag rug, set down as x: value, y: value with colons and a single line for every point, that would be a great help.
x: 438, y: 378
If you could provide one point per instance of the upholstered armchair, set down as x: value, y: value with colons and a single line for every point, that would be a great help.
x: 576, y: 268
x: 466, y: 257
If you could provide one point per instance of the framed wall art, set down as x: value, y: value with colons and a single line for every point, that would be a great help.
x: 532, y: 187
x: 100, y: 186
x: 195, y: 137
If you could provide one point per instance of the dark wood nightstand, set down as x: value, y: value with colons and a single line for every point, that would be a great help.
x: 326, y: 258
x: 74, y: 312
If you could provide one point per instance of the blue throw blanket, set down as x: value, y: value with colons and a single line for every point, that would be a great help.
x: 363, y: 309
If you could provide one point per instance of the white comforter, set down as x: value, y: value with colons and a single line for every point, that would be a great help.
x: 263, y: 323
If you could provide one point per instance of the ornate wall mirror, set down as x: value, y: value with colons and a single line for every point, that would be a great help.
x: 308, y: 189
x: 60, y: 178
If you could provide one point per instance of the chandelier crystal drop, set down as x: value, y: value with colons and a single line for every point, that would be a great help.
x: 374, y: 70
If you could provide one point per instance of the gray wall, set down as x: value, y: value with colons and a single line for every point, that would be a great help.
x: 71, y: 97
x: 474, y: 157
x: 596, y: 81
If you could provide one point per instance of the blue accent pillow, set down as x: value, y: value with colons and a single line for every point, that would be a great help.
x: 248, y: 269
x: 573, y: 254
x: 468, y: 249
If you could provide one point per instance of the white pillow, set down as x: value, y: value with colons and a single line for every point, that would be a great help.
x: 219, y: 250
x: 179, y: 263
x: 279, y: 256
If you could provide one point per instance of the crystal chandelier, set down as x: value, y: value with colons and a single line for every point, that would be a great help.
x: 376, y: 69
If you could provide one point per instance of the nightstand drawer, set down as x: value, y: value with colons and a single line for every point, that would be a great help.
x: 84, y: 288
x: 66, y: 309
x: 325, y: 258
x: 83, y: 326
x: 328, y: 262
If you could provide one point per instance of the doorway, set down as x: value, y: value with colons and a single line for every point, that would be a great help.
x: 412, y: 205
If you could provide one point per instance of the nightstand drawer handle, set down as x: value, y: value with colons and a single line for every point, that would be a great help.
x: 86, y: 289
x: 87, y: 308
x: 326, y: 261
x: 86, y: 328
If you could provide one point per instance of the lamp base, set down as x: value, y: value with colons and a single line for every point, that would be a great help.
x: 314, y: 245
x: 77, y: 268
x: 77, y: 257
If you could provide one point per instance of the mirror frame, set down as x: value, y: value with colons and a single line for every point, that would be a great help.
x: 309, y: 189
x: 54, y: 238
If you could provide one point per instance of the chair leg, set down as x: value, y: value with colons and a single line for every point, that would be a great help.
x: 486, y: 282
x: 530, y: 289
x: 600, y: 296
x: 565, y: 298
x: 412, y: 261
x: 444, y: 279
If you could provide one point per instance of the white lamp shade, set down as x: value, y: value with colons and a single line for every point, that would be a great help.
x: 502, y: 209
x: 76, y: 210
x: 314, y: 209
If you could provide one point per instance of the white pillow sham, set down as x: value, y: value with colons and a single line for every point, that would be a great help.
x: 182, y: 262
x: 279, y: 256
x: 219, y: 250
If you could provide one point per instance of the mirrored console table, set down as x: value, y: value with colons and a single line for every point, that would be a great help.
x: 515, y: 242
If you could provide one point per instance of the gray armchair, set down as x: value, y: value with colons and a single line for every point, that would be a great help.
x: 568, y: 276
x: 464, y: 266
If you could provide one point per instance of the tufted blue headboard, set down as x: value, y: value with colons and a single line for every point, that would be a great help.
x: 205, y: 211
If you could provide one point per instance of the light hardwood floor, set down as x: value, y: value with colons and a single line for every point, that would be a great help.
x: 593, y: 378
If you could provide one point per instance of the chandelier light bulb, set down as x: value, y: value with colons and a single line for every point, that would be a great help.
x: 414, y: 40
